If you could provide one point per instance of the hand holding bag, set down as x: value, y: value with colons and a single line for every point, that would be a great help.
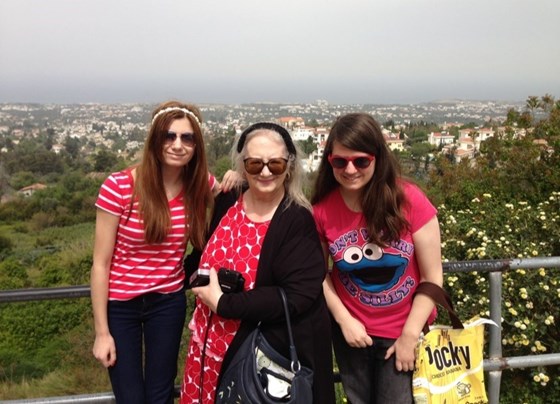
x: 449, y: 360
x: 259, y: 374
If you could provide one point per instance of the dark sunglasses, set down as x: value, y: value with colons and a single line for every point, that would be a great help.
x: 186, y: 138
x: 360, y: 162
x: 276, y: 166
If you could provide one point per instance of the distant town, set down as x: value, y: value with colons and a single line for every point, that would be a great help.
x: 123, y: 127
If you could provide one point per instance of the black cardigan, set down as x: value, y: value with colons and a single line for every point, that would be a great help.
x: 292, y: 258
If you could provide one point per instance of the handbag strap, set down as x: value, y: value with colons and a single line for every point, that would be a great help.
x: 441, y: 297
x: 295, y: 365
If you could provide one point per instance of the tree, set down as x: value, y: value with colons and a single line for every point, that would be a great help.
x: 454, y: 131
x: 5, y: 246
x: 72, y: 146
x: 547, y: 103
x: 513, y: 168
x: 512, y: 117
x: 22, y: 179
x: 313, y: 123
x: 104, y: 160
x: 308, y: 145
x: 389, y: 124
x: 532, y: 104
x: 4, y: 181
x: 219, y: 146
x: 221, y: 166
x: 525, y: 120
x: 49, y: 140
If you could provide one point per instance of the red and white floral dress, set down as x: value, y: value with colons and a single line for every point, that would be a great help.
x: 235, y: 244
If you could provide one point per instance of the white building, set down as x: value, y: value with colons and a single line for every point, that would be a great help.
x: 438, y: 139
x: 303, y: 133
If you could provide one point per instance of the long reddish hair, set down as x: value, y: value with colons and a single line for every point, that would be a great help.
x: 149, y: 190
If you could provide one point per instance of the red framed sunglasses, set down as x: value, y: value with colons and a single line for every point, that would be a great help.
x: 359, y: 162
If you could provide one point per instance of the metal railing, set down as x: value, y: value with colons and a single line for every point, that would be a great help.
x: 493, y: 365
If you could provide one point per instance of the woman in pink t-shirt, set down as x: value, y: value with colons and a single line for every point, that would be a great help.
x: 382, y: 235
x: 146, y: 214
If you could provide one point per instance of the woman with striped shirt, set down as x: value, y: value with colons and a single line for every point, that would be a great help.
x: 146, y: 214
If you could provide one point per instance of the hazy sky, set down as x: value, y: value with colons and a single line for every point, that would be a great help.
x: 343, y: 51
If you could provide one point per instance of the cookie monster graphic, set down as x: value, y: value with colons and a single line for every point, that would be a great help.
x: 372, y: 269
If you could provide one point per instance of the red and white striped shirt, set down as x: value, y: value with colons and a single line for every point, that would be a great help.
x: 137, y: 267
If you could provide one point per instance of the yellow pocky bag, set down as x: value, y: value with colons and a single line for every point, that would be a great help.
x: 449, y: 363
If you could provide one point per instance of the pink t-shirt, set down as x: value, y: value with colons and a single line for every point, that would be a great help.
x: 137, y: 267
x: 375, y: 284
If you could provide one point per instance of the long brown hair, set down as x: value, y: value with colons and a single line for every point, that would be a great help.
x: 382, y: 198
x: 149, y: 190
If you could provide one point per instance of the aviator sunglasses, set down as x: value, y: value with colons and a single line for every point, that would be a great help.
x: 359, y: 162
x: 186, y: 138
x: 276, y: 166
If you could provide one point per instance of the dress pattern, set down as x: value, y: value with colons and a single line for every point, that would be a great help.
x: 235, y: 244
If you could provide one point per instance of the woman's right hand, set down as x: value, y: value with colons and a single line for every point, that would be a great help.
x: 211, y: 293
x: 104, y: 350
x: 355, y: 333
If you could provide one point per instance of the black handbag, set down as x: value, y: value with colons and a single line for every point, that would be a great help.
x: 259, y: 374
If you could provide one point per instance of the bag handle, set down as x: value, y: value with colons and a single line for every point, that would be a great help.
x: 295, y: 365
x: 441, y: 297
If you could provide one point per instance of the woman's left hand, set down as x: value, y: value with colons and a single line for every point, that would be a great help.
x: 211, y: 293
x: 405, y: 350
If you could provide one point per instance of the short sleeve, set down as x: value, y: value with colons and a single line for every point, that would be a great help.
x: 420, y: 209
x: 114, y: 193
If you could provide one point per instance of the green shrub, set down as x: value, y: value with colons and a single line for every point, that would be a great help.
x: 13, y: 275
x: 493, y: 229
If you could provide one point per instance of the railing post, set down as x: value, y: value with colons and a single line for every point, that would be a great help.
x: 495, y: 336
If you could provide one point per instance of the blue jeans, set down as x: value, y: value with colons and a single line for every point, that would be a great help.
x: 366, y: 376
x: 154, y: 322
